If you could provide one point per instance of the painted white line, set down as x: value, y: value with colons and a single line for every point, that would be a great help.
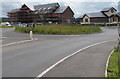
x: 3, y: 37
x: 18, y: 42
x: 108, y: 63
x: 48, y: 69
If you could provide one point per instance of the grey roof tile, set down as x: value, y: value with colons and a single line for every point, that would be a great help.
x: 51, y: 5
x: 46, y: 8
x: 93, y: 15
x: 81, y: 16
x: 96, y: 14
x: 61, y: 9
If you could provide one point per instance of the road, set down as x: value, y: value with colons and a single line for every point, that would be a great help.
x: 90, y: 62
x: 32, y: 58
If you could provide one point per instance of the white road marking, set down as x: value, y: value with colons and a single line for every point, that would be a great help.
x: 3, y: 37
x: 17, y: 42
x: 108, y: 63
x: 51, y: 67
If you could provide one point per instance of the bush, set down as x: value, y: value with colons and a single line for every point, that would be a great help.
x: 59, y: 29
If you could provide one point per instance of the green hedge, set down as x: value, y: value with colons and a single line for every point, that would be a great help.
x: 59, y: 29
x: 6, y: 27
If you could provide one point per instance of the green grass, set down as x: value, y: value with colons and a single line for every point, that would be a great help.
x: 113, y: 65
x: 59, y: 29
x: 6, y: 27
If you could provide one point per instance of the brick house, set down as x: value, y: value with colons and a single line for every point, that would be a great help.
x: 119, y: 16
x: 104, y: 16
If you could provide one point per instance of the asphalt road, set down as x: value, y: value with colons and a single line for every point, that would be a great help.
x: 32, y: 58
x: 90, y: 62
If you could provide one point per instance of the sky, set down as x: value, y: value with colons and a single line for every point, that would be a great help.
x: 79, y: 7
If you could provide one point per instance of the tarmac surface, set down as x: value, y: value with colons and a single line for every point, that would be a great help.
x: 31, y: 58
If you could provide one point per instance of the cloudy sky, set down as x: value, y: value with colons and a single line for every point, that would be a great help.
x: 78, y: 6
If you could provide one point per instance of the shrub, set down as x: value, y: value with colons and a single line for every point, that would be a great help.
x: 59, y: 29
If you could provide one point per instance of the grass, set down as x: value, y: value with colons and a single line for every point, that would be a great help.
x: 59, y: 29
x: 6, y: 27
x: 113, y: 65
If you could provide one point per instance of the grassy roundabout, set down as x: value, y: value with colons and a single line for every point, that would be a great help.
x: 6, y: 27
x: 59, y: 29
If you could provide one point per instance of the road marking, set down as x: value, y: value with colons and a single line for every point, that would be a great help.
x: 51, y: 67
x: 108, y: 63
x: 17, y: 42
x: 3, y: 37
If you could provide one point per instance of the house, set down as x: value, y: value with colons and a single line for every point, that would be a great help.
x: 47, y: 13
x: 23, y: 14
x: 119, y: 16
x: 53, y: 13
x: 107, y: 15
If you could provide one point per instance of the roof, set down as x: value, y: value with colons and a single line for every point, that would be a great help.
x: 81, y: 16
x: 96, y: 14
x: 46, y: 8
x: 107, y: 9
x: 51, y: 5
x: 118, y: 13
x: 93, y: 15
x: 61, y: 9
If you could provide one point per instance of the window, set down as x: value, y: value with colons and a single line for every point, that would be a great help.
x: 86, y: 20
x: 112, y: 10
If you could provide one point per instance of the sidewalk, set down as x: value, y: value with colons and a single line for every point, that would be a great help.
x: 90, y: 62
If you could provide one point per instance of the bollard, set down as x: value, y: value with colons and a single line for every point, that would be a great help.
x: 31, y: 35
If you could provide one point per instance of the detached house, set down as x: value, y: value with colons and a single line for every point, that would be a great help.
x: 104, y: 16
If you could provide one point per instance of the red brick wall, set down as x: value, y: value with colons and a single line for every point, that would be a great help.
x: 99, y: 20
x: 67, y: 14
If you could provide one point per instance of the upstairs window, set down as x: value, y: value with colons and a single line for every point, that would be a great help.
x: 112, y: 10
x: 86, y: 20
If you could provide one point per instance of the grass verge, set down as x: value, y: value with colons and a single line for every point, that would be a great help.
x: 59, y: 29
x: 113, y: 65
x: 6, y: 27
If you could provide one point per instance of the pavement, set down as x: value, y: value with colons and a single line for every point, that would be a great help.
x: 32, y: 58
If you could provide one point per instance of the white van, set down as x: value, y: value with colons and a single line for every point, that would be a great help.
x: 5, y: 24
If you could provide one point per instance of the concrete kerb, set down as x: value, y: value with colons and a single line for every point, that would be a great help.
x: 108, y: 63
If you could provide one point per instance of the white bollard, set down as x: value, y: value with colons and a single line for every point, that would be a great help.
x: 31, y: 35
